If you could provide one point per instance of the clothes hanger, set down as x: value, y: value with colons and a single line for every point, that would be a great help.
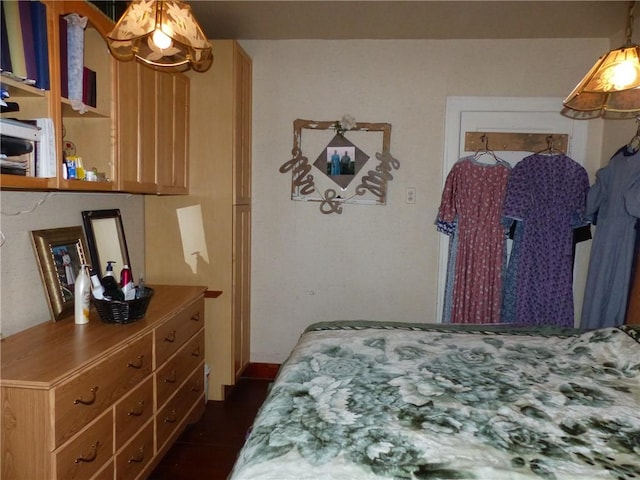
x: 485, y: 150
x: 549, y: 150
x: 634, y: 144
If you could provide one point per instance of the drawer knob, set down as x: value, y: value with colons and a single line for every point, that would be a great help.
x: 137, y: 363
x: 197, y: 386
x: 92, y: 456
x: 171, y: 378
x: 171, y: 418
x: 138, y: 458
x: 196, y: 352
x: 196, y: 317
x: 171, y: 337
x: 137, y: 411
x: 91, y: 401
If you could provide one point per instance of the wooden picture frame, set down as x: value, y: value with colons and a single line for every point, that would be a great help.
x: 59, y: 252
x: 368, y: 182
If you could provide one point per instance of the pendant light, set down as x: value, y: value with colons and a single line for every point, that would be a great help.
x: 611, y: 89
x: 162, y: 34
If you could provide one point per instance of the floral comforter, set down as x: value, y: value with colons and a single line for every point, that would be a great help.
x: 364, y: 400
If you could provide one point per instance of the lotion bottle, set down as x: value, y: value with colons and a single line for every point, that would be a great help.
x: 111, y: 289
x: 82, y: 292
x: 97, y: 290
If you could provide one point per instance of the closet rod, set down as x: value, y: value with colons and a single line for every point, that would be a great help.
x: 516, y: 142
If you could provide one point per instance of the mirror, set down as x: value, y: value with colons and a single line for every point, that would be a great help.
x: 106, y: 240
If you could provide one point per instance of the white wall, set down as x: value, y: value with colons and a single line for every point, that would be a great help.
x: 22, y: 296
x: 373, y: 262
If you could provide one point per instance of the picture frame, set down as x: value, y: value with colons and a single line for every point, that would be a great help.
x: 106, y: 240
x: 59, y: 253
x: 314, y: 181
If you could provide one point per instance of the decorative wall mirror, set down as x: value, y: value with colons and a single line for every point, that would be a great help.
x: 345, y: 172
x: 106, y: 240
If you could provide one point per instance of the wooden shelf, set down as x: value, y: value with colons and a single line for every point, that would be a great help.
x: 17, y: 88
x: 68, y: 111
x: 20, y: 182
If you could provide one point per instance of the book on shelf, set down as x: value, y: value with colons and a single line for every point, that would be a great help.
x: 89, y: 87
x: 5, y: 54
x: 64, y: 62
x: 40, y: 43
x: 26, y: 28
x: 14, y: 34
x: 24, y: 43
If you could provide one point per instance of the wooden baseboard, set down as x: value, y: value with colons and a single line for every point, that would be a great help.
x: 261, y: 371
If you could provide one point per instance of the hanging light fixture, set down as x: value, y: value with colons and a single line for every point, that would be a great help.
x: 611, y: 89
x: 162, y: 34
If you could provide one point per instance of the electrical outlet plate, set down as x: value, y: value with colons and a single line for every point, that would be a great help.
x: 411, y: 195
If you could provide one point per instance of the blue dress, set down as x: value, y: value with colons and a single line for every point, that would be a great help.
x: 614, y: 203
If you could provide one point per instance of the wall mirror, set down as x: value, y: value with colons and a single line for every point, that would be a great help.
x: 106, y: 240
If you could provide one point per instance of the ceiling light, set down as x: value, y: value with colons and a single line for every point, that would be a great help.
x: 611, y: 89
x: 162, y: 34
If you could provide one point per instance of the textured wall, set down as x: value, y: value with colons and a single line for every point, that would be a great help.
x: 373, y: 262
x: 22, y: 296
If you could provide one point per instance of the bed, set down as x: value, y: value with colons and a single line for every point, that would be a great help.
x: 370, y: 400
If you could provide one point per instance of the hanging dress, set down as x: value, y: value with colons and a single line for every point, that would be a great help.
x: 613, y: 202
x: 546, y: 195
x: 470, y: 213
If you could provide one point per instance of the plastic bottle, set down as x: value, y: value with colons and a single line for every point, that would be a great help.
x: 97, y: 290
x: 82, y: 293
x: 126, y: 283
x: 109, y: 270
x: 111, y: 289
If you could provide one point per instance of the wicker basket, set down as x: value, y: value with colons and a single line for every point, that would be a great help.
x: 116, y: 311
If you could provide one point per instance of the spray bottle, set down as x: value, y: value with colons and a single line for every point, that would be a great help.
x: 126, y: 283
x: 82, y: 293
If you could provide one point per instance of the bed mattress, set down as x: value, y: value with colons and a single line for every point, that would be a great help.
x: 371, y: 400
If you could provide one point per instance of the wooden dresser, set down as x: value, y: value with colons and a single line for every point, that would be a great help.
x: 102, y: 401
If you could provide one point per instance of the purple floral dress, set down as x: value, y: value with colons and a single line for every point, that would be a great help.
x: 547, y: 195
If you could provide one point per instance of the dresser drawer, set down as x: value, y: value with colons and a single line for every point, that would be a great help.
x: 136, y: 455
x: 82, y: 399
x: 177, y: 370
x: 106, y: 473
x: 174, y: 412
x: 82, y: 457
x: 170, y: 336
x: 133, y: 411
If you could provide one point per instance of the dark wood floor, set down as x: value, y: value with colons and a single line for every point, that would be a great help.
x: 208, y: 449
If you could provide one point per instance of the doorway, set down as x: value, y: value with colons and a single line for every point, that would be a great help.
x: 519, y: 115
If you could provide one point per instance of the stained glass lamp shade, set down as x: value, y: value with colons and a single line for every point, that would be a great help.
x: 162, y: 34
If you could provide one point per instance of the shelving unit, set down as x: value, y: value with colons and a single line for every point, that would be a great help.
x: 136, y: 135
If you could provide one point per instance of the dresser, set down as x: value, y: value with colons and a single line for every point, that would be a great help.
x: 102, y: 401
